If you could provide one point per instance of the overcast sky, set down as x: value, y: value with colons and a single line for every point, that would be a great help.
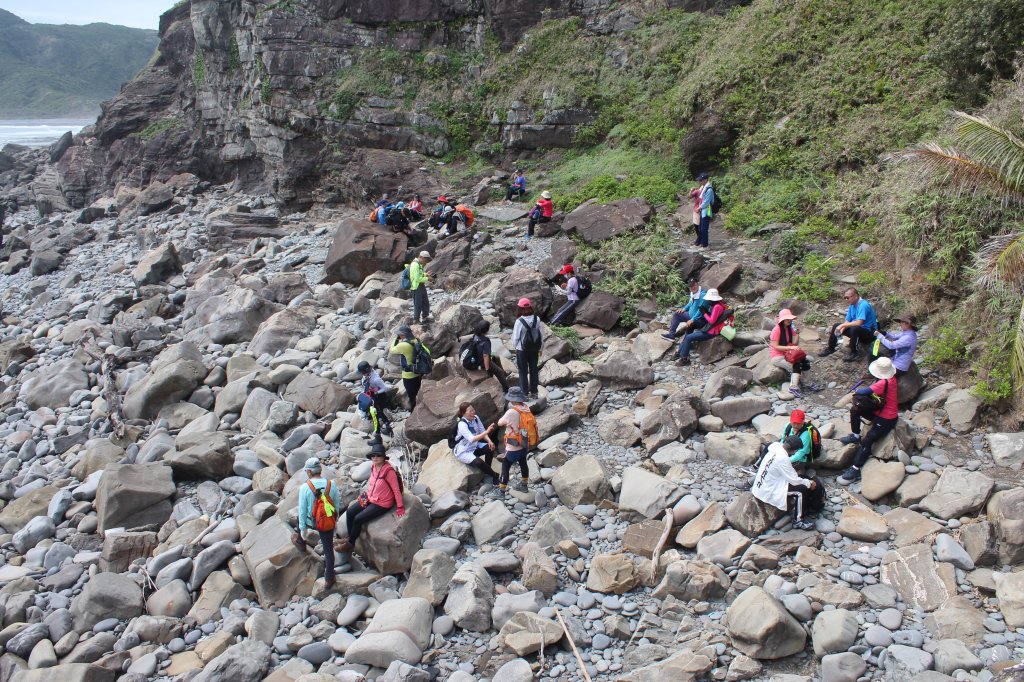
x: 137, y: 13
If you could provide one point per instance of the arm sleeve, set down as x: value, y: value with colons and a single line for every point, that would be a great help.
x: 517, y: 334
x: 801, y: 454
x: 901, y: 341
x: 789, y: 473
x: 716, y: 312
x: 336, y: 497
x: 304, y: 503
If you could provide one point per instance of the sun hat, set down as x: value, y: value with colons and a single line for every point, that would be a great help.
x: 377, y: 450
x: 785, y: 314
x: 909, y: 319
x: 404, y: 330
x: 712, y: 295
x: 882, y: 368
x: 312, y: 464
x: 797, y: 417
x: 515, y: 395
x: 525, y: 303
x: 702, y: 176
x: 426, y: 254
x: 443, y: 199
x: 546, y: 194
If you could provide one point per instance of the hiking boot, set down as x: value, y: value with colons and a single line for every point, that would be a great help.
x: 683, y: 362
x: 670, y: 337
x: 499, y: 493
x: 852, y: 356
x: 849, y: 476
x: 827, y: 352
x: 343, y: 546
x: 329, y: 583
x: 521, y: 486
x: 850, y: 439
x: 533, y: 396
x: 803, y: 524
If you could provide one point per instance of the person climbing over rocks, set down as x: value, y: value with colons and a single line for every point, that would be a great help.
x: 518, y: 186
x: 681, y: 317
x: 571, y: 286
x: 318, y: 510
x: 473, y: 444
x: 903, y: 343
x: 776, y: 482
x: 860, y: 325
x: 418, y: 279
x: 878, y: 403
x: 376, y: 392
x: 713, y: 317
x: 540, y: 213
x: 784, y: 349
x: 479, y: 355
x: 527, y: 339
x: 520, y: 434
x: 406, y: 345
x: 383, y: 493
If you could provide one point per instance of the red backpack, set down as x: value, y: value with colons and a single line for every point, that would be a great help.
x: 324, y: 514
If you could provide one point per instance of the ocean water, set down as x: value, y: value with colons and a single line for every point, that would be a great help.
x: 38, y: 132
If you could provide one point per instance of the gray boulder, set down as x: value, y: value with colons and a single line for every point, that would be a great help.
x: 173, y: 376
x: 106, y: 595
x: 761, y: 627
x: 53, y: 385
x: 135, y: 496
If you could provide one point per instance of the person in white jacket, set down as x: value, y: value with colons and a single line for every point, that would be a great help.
x: 776, y: 479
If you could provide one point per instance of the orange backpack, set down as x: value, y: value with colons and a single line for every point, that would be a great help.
x: 468, y: 213
x: 324, y: 514
x: 373, y: 215
x: 514, y: 438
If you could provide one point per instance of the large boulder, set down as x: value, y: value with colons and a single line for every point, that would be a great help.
x: 173, y: 376
x: 612, y: 574
x: 243, y: 662
x: 921, y: 581
x: 527, y: 632
x: 201, y: 456
x: 727, y: 382
x: 909, y: 385
x: 519, y: 283
x: 750, y: 516
x: 441, y: 473
x: 106, y: 595
x: 1006, y: 513
x: 438, y: 402
x: 53, y: 385
x: 621, y: 369
x: 733, y: 447
x: 216, y: 310
x: 645, y: 493
x: 601, y: 310
x: 761, y: 627
x: 673, y: 421
x: 430, y: 575
x: 686, y: 580
x: 962, y: 408
x: 595, y: 222
x: 582, y: 480
x: 735, y: 411
x: 157, y: 266
x: 134, y: 496
x: 1007, y: 449
x: 957, y: 493
x: 279, y: 570
x: 361, y: 248
x: 471, y: 598
x: 557, y: 525
x: 398, y: 631
x: 320, y: 396
x: 285, y: 328
x: 390, y: 542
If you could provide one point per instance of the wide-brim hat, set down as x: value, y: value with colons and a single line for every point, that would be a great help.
x: 712, y: 295
x: 545, y: 194
x: 909, y: 319
x: 377, y: 450
x: 785, y: 314
x: 882, y: 369
x: 515, y: 395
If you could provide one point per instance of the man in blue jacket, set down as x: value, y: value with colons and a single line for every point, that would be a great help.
x: 860, y: 325
x: 682, y: 316
x: 707, y: 201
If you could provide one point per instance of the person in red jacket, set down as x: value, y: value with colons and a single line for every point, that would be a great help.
x: 381, y: 494
x: 541, y: 212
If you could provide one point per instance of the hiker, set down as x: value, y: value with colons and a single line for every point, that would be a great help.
x: 684, y: 315
x: 405, y: 345
x: 860, y: 325
x: 518, y: 422
x: 541, y: 212
x: 518, y: 186
x: 527, y: 340
x: 442, y: 213
x: 695, y: 217
x: 478, y: 355
x: 571, y: 286
x: 560, y: 276
x: 382, y: 493
x: 706, y: 208
x: 318, y: 510
x: 377, y: 391
x: 799, y: 426
x: 418, y: 279
x: 473, y: 444
x: 880, y: 404
x: 776, y: 482
x: 903, y: 342
x: 709, y: 323
x: 784, y: 349
x: 399, y: 218
x: 416, y: 206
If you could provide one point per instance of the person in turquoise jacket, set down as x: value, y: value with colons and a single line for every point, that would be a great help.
x: 313, y: 470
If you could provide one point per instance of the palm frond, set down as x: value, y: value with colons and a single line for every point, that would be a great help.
x: 992, y: 146
x: 1017, y: 361
x: 1000, y: 261
x: 955, y: 167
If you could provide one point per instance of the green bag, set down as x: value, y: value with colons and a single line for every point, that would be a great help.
x: 729, y: 332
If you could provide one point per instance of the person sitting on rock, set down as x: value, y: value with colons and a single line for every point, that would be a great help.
x: 860, y: 325
x: 516, y: 441
x: 878, y: 403
x: 309, y: 494
x: 416, y: 206
x: 561, y: 276
x: 799, y: 427
x: 473, y: 444
x: 540, y: 213
x: 571, y: 286
x: 381, y: 495
x: 399, y: 218
x: 482, y: 351
x: 784, y: 349
x: 713, y: 316
x: 903, y: 343
x: 681, y: 317
x: 442, y: 214
x: 518, y: 186
x: 776, y: 482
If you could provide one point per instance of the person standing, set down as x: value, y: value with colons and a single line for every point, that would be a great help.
x: 404, y: 345
x: 878, y: 403
x: 695, y: 201
x: 860, y: 325
x: 516, y: 440
x: 527, y: 340
x: 903, y: 342
x: 541, y: 212
x: 318, y: 500
x: 377, y: 391
x: 473, y: 444
x: 418, y: 278
x: 776, y: 481
x: 518, y: 186
x: 683, y: 315
x: 784, y: 349
x: 571, y: 287
x: 381, y: 495
x: 707, y: 201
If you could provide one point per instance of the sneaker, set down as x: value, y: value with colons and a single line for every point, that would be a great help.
x: 849, y: 476
x: 683, y: 362
x: 796, y: 392
x: 670, y: 337
x: 827, y: 352
x: 852, y: 356
x: 328, y: 583
x: 498, y: 493
x: 850, y: 439
x: 803, y: 524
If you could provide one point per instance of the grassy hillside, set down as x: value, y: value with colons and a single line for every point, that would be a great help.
x: 55, y: 71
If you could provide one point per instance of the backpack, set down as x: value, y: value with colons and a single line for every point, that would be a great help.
x: 373, y: 215
x: 406, y: 282
x: 422, y: 363
x: 454, y: 437
x: 532, y: 340
x: 527, y: 428
x: 468, y: 355
x: 364, y: 401
x: 815, y: 440
x: 324, y: 514
x: 716, y: 203
x: 871, y: 403
x: 467, y: 213
x: 584, y: 287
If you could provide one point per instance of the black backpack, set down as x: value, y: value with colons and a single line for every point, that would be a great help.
x: 716, y: 203
x: 532, y: 340
x: 422, y: 363
x: 584, y: 286
x: 871, y: 403
x: 468, y: 355
x: 453, y: 437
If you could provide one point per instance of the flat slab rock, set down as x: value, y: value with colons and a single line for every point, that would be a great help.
x: 502, y: 214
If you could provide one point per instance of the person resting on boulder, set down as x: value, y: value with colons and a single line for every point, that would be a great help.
x: 784, y: 349
x: 902, y: 344
x: 473, y: 444
x: 382, y: 493
x: 713, y: 316
x: 878, y: 403
x: 776, y: 482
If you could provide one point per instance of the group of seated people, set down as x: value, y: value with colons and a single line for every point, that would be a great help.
x: 399, y: 215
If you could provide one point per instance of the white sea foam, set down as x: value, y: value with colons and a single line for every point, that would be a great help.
x: 38, y: 132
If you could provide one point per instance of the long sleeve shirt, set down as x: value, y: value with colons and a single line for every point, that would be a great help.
x: 707, y: 200
x: 774, y: 476
x: 805, y: 449
x: 519, y: 330
x: 696, y: 301
x: 382, y: 488
x: 465, y: 446
x: 372, y: 383
x: 416, y: 275
x: 572, y: 289
x: 904, y: 342
x: 306, y: 501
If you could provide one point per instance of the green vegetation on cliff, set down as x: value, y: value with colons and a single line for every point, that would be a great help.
x: 56, y: 71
